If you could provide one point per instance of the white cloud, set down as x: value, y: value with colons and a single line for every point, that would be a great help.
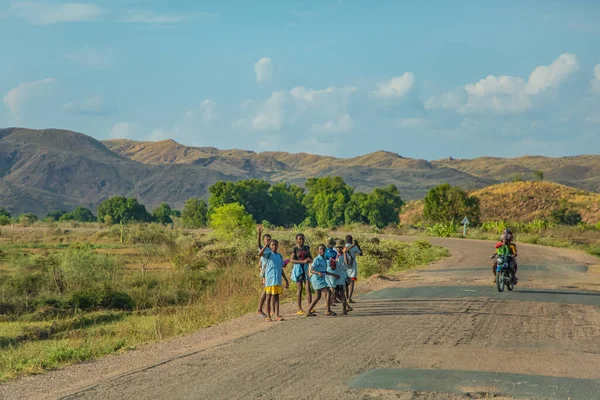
x: 207, y: 112
x: 263, y: 69
x: 506, y: 94
x: 91, y: 106
x: 271, y: 115
x: 339, y: 125
x: 595, y: 81
x: 396, y: 87
x: 299, y: 105
x: 92, y: 58
x: 446, y: 101
x: 122, y: 130
x: 151, y: 17
x: 503, y: 94
x: 18, y: 98
x: 43, y: 14
x: 544, y: 77
x: 300, y: 92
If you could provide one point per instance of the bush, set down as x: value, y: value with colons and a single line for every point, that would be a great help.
x: 117, y: 301
x: 443, y: 230
x: 231, y: 221
x: 564, y: 216
x: 4, y: 220
x: 7, y: 308
x: 84, y: 300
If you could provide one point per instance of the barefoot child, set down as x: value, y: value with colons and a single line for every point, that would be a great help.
x: 265, y: 240
x: 342, y: 272
x: 354, y: 251
x: 301, y: 258
x: 273, y: 276
x: 330, y: 258
x: 319, y: 271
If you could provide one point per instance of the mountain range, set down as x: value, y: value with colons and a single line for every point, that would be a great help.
x: 50, y: 169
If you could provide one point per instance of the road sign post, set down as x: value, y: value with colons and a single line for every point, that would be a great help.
x: 464, y: 223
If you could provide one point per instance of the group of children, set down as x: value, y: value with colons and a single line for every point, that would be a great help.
x: 333, y: 272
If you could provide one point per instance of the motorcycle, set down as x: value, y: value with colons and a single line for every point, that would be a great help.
x: 504, y: 273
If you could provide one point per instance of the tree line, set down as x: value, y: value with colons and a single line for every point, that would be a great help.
x: 324, y: 202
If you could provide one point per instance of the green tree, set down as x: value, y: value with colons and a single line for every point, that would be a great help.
x: 326, y: 200
x: 4, y: 217
x: 80, y: 214
x: 353, y: 214
x: 286, y: 206
x: 538, y: 175
x: 382, y: 206
x: 194, y: 214
x: 162, y: 214
x: 231, y: 221
x: 55, y: 215
x: 27, y: 219
x: 122, y: 210
x: 253, y: 194
x: 447, y: 203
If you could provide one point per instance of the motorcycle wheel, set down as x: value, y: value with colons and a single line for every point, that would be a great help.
x: 509, y: 282
x: 500, y: 281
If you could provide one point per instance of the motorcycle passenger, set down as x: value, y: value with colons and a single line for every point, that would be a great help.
x: 508, y: 248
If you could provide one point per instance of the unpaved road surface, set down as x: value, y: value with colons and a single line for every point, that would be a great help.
x: 440, y: 332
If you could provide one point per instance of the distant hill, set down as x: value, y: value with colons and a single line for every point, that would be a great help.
x: 44, y: 170
x: 582, y: 172
x: 523, y: 202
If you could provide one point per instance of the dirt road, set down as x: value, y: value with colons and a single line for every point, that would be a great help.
x: 441, y: 332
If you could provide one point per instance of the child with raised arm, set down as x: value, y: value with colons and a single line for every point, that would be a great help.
x: 319, y: 272
x: 273, y: 277
x: 265, y: 240
x: 342, y: 272
x: 301, y: 258
x: 354, y: 251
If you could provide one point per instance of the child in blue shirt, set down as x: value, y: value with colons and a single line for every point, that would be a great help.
x: 342, y: 271
x: 265, y: 240
x: 301, y: 258
x: 319, y: 271
x: 273, y: 276
x: 331, y: 257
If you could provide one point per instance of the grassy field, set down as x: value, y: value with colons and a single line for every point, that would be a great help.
x: 76, y: 293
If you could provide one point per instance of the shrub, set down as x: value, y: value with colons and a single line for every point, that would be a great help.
x: 370, y: 265
x: 231, y: 221
x: 84, y: 300
x: 117, y: 301
x: 564, y: 216
x: 4, y: 220
x: 7, y: 308
x: 442, y: 230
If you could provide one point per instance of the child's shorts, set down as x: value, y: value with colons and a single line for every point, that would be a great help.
x: 278, y: 289
x: 339, y: 287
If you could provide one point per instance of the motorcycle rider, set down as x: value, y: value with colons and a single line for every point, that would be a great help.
x: 506, y: 245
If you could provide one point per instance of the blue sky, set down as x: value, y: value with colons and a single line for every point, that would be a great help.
x: 428, y: 79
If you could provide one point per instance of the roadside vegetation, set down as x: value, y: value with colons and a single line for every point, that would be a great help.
x: 71, y: 294
x: 78, y: 285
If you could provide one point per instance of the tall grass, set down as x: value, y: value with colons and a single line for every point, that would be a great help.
x: 72, y: 304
